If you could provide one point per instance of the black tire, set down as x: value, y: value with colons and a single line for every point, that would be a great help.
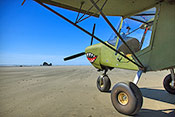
x: 131, y: 101
x: 103, y: 83
x: 167, y: 86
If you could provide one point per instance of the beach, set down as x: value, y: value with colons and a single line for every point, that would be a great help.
x: 71, y: 91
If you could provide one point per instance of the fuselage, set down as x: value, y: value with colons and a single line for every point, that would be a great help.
x: 102, y: 57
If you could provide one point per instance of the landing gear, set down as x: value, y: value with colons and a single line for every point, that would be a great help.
x: 126, y: 98
x: 103, y: 82
x: 169, y: 83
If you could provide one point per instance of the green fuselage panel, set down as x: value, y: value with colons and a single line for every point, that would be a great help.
x: 107, y: 57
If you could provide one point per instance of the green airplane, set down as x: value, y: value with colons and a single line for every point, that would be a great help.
x: 123, y: 50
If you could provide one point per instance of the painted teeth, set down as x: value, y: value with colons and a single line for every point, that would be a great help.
x: 90, y: 55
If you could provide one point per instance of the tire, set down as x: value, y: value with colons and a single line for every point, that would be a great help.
x: 103, y: 83
x: 126, y: 98
x: 167, y: 86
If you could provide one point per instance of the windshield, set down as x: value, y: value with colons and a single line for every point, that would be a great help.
x: 112, y: 40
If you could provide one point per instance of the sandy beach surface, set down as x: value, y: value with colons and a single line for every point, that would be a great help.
x: 70, y: 91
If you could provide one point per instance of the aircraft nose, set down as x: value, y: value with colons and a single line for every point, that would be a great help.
x: 93, y: 55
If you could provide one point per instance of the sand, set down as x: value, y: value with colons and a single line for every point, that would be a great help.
x: 70, y: 91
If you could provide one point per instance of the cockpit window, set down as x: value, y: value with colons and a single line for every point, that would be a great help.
x: 137, y: 28
x: 145, y: 16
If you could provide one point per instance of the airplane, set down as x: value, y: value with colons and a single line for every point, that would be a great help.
x: 123, y: 50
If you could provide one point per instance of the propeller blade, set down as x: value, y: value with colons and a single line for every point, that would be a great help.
x: 74, y: 56
x: 23, y: 2
x: 93, y: 34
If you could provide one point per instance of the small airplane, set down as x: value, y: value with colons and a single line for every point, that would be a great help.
x: 157, y: 17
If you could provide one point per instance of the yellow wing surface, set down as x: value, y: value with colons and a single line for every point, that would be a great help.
x: 123, y: 8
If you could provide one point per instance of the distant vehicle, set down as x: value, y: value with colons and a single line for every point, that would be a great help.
x: 123, y: 50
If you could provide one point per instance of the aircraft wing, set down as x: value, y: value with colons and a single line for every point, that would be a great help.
x: 123, y: 8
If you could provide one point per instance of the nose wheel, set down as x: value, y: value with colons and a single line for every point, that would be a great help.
x: 126, y: 98
x: 103, y: 83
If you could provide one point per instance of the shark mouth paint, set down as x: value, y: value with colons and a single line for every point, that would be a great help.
x: 91, y: 57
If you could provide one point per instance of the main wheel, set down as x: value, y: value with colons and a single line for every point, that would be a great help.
x: 126, y: 98
x: 103, y: 83
x: 167, y: 84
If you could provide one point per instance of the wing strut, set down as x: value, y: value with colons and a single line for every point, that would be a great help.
x: 143, y: 37
x: 79, y: 11
x: 112, y: 27
x: 98, y: 39
x: 82, y: 19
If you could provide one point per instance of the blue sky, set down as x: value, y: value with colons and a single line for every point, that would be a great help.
x: 30, y: 34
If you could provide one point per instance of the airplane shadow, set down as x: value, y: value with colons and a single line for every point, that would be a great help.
x: 156, y: 113
x: 108, y: 91
x: 158, y: 94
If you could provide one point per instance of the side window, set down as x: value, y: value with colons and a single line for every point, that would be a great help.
x: 143, y: 34
x: 146, y: 41
x: 136, y: 31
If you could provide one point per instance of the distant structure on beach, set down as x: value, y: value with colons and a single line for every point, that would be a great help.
x: 46, y: 64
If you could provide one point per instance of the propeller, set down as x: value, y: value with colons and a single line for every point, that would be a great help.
x: 82, y: 53
x: 23, y: 2
x: 74, y: 56
x: 93, y: 34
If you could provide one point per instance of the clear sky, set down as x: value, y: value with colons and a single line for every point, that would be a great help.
x: 30, y: 34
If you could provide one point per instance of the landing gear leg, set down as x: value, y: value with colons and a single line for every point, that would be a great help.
x: 103, y: 82
x: 137, y: 77
x: 169, y: 82
x: 126, y: 97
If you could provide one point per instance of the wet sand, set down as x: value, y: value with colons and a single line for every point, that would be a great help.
x: 70, y: 91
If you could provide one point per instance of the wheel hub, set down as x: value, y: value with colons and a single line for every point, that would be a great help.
x: 123, y: 98
x: 101, y: 82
